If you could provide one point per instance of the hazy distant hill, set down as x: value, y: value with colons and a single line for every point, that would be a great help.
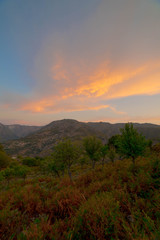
x: 15, y: 131
x: 150, y: 131
x: 6, y: 133
x: 42, y: 141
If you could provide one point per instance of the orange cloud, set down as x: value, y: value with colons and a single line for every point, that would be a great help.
x: 43, y: 106
x: 87, y: 91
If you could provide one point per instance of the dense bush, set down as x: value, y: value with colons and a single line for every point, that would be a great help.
x: 31, y: 162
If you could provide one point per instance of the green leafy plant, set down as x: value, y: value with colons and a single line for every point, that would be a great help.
x: 103, y: 151
x: 92, y: 146
x: 131, y: 144
x: 66, y: 153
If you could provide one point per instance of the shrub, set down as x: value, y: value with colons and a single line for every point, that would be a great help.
x: 31, y: 162
x: 98, y: 218
x: 8, y: 173
x: 21, y: 171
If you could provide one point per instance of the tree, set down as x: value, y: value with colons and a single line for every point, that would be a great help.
x: 4, y: 159
x: 31, y: 161
x: 113, y: 141
x: 131, y: 144
x: 112, y: 153
x: 92, y: 146
x: 55, y: 167
x: 66, y: 153
x: 104, y: 151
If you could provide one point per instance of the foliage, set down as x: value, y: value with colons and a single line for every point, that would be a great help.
x: 31, y: 162
x: 112, y: 153
x: 131, y: 143
x: 92, y: 146
x: 8, y: 173
x: 1, y: 176
x: 83, y: 160
x: 105, y: 203
x: 66, y: 153
x: 4, y: 159
x: 156, y: 149
x: 20, y: 171
x: 116, y: 201
x: 103, y: 151
x: 55, y: 167
x: 113, y: 141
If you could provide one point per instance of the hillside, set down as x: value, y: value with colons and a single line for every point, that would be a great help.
x: 42, y: 141
x: 6, y: 133
x: 150, y: 131
x: 15, y: 131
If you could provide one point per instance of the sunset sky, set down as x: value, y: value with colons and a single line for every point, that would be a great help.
x: 90, y: 60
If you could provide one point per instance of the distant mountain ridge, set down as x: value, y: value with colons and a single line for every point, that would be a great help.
x: 42, y: 141
x: 15, y: 131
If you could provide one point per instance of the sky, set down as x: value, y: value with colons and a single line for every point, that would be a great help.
x: 89, y: 60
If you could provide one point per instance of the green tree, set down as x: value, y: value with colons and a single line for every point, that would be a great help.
x: 112, y: 153
x: 92, y: 146
x: 4, y: 159
x: 66, y: 153
x: 113, y: 141
x: 31, y: 162
x: 131, y: 144
x: 55, y: 167
x: 104, y: 151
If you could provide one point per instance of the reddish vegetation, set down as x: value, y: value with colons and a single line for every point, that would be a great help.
x: 120, y: 201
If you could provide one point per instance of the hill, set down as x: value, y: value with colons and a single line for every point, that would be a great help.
x: 150, y: 131
x: 15, y: 131
x: 42, y: 141
x: 6, y: 133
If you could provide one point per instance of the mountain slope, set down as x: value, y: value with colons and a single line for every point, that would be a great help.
x: 6, y: 133
x: 42, y: 141
x: 150, y: 131
x: 22, y: 130
x: 15, y: 131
